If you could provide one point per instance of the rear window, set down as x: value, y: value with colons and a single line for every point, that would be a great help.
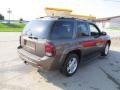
x: 62, y: 29
x: 38, y: 28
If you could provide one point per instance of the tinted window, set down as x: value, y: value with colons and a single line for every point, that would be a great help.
x: 62, y: 30
x: 94, y: 31
x: 38, y: 28
x: 82, y: 29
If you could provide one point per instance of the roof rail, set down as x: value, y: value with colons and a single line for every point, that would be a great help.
x: 67, y: 17
x: 57, y: 17
x: 50, y: 16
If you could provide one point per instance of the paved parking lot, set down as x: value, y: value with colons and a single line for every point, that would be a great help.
x: 101, y: 74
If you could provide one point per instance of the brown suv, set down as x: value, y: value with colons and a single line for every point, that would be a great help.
x: 63, y: 43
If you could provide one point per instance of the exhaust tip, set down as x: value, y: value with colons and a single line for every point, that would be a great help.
x: 26, y: 62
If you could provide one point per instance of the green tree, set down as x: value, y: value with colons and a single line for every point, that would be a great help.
x: 1, y: 17
x: 21, y: 20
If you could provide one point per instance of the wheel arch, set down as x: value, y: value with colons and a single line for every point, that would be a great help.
x: 76, y: 51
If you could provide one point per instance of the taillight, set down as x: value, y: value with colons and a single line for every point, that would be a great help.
x: 49, y: 49
x: 20, y: 39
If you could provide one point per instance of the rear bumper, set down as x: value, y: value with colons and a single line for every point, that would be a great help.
x: 48, y: 63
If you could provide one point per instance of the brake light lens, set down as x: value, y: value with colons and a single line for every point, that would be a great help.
x: 49, y: 49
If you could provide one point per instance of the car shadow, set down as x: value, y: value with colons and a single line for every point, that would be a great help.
x: 81, y: 78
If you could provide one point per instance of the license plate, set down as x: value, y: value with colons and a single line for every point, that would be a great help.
x: 30, y: 45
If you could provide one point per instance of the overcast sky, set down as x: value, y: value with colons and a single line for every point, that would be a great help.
x: 31, y: 9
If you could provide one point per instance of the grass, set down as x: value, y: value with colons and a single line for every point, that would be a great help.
x: 114, y: 28
x: 11, y: 27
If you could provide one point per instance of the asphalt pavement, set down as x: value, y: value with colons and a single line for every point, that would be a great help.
x: 103, y: 73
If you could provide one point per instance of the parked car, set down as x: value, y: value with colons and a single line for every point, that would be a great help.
x: 61, y: 43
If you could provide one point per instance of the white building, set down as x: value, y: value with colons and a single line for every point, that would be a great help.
x: 115, y: 22
x: 65, y: 13
x: 58, y: 12
x: 109, y: 22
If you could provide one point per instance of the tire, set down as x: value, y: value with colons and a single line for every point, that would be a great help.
x: 71, y: 64
x: 106, y: 50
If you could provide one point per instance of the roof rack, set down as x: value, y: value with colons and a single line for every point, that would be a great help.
x: 67, y: 17
x: 57, y: 17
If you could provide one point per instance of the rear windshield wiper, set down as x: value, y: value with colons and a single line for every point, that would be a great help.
x: 33, y: 37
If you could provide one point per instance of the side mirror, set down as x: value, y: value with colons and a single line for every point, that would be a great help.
x: 103, y: 33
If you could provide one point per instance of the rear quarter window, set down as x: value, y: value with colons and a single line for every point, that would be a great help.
x: 62, y: 30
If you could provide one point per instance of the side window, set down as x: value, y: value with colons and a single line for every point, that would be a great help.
x: 82, y: 29
x: 62, y: 30
x: 94, y: 31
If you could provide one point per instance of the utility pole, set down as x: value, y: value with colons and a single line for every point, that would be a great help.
x: 9, y: 11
